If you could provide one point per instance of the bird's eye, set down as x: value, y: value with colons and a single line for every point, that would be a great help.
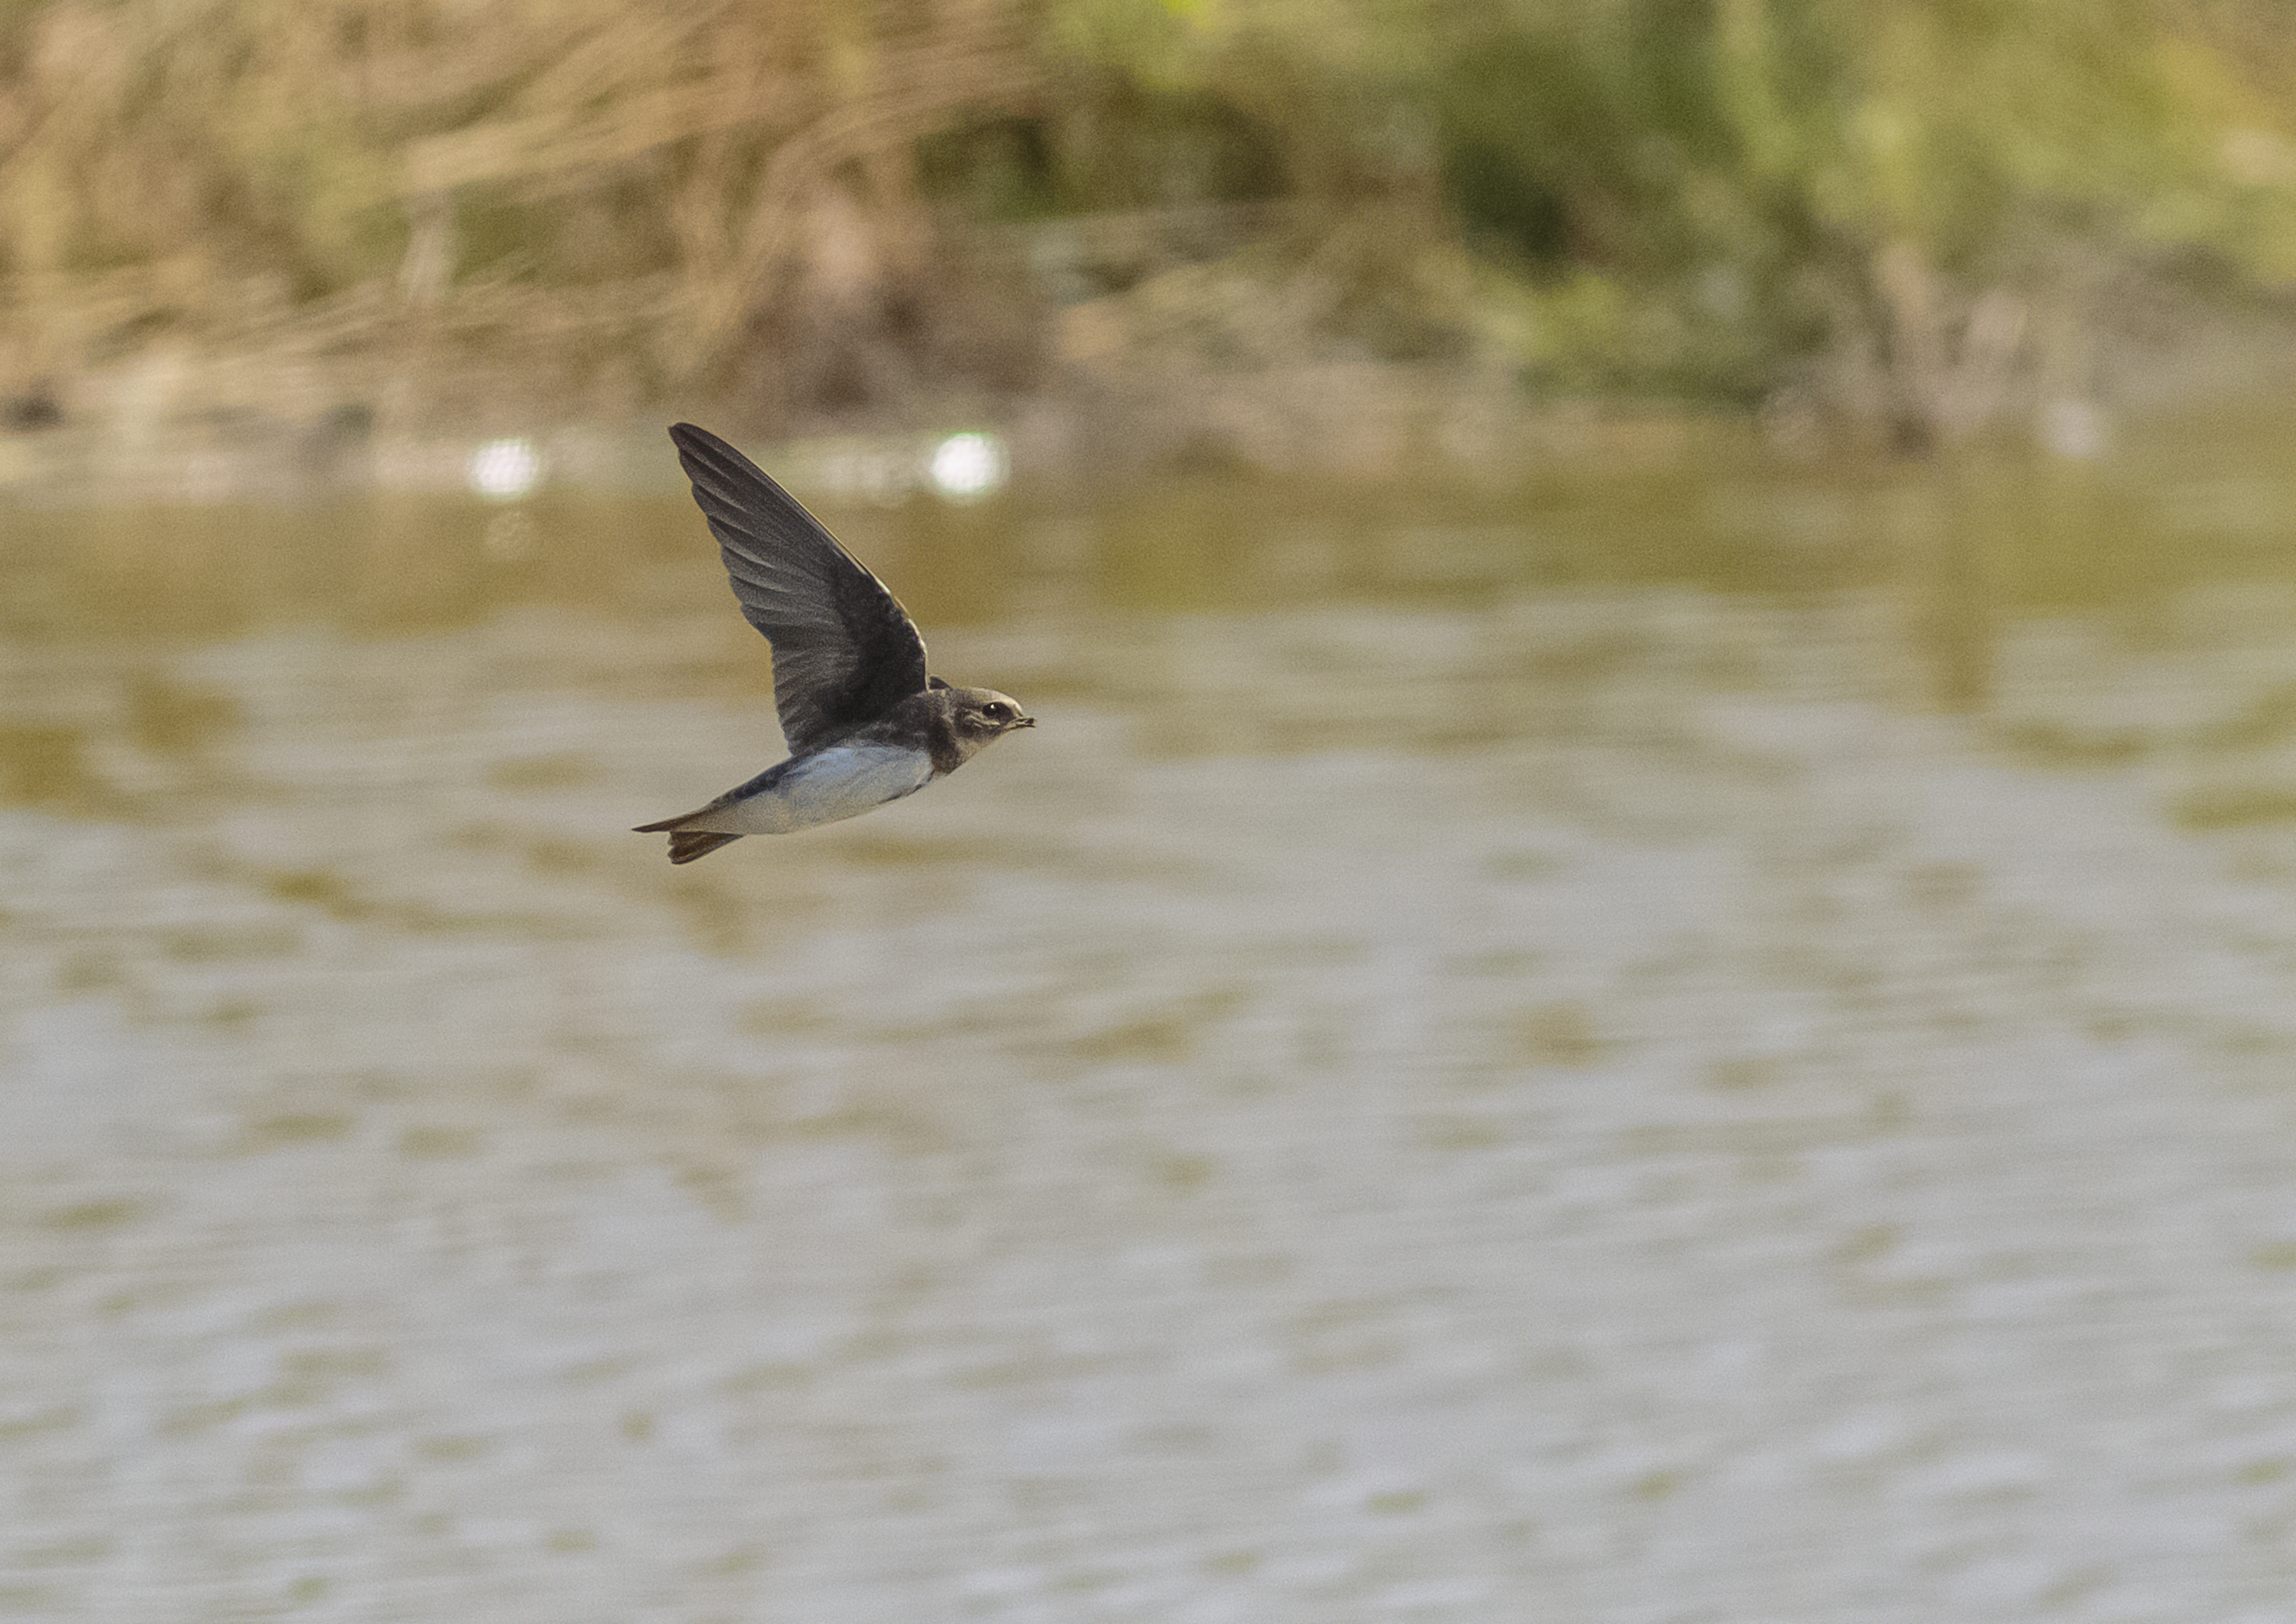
x: 997, y: 710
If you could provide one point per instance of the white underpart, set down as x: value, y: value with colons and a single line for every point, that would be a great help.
x: 844, y: 782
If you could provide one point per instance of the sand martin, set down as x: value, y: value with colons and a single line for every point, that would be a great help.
x: 865, y: 724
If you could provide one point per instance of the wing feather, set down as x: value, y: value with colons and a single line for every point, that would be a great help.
x: 845, y: 652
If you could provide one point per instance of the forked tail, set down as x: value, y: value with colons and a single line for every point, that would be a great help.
x: 686, y: 844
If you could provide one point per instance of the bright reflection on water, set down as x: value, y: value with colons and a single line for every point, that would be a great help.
x: 1702, y: 1040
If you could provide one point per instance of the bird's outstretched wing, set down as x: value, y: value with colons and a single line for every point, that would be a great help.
x: 844, y: 649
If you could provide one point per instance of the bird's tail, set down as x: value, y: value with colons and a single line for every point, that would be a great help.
x: 687, y: 844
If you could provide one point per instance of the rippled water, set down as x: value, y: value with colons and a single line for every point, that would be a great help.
x: 1700, y: 1039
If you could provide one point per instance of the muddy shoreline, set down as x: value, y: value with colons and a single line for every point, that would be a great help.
x: 181, y: 420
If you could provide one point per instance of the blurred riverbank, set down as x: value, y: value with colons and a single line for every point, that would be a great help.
x: 178, y: 425
x: 325, y: 240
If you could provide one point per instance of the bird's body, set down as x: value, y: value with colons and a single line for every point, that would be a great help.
x: 843, y: 781
x: 865, y: 724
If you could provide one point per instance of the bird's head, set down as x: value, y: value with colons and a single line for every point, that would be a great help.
x: 981, y: 714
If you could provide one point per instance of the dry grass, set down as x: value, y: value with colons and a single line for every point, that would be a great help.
x: 659, y: 181
x: 1923, y: 215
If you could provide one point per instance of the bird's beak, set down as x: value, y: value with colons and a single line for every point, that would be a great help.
x: 1026, y: 721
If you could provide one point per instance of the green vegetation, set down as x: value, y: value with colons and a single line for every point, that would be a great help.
x: 1911, y: 212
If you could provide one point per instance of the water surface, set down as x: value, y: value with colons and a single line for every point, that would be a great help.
x: 1692, y: 1039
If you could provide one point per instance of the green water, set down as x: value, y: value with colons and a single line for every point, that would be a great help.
x: 1686, y: 1034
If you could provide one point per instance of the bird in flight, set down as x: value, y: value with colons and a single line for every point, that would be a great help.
x: 866, y: 723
